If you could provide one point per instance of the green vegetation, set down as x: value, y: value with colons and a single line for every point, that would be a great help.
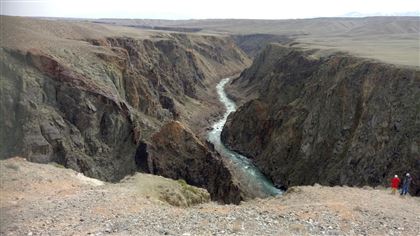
x: 184, y: 196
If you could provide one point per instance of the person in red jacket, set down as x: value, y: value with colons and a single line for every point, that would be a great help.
x: 395, y: 182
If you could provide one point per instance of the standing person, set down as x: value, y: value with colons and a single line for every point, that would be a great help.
x: 395, y: 182
x: 406, y: 184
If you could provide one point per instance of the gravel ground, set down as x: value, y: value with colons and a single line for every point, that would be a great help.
x: 46, y: 200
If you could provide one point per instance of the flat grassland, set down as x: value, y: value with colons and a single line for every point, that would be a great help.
x: 394, y: 40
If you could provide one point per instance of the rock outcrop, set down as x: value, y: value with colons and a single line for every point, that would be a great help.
x: 334, y: 120
x: 176, y: 153
x: 88, y: 101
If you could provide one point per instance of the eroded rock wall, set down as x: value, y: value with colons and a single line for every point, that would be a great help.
x: 88, y: 104
x: 175, y: 152
x: 334, y: 120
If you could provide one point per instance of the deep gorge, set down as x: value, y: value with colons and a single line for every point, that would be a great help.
x: 333, y: 120
x: 112, y: 105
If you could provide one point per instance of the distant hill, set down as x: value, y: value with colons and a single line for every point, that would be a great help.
x: 358, y: 14
x: 392, y: 39
x: 315, y: 26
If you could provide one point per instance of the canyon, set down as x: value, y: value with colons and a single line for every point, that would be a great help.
x: 333, y: 120
x: 112, y: 98
x: 239, y: 127
x: 94, y: 99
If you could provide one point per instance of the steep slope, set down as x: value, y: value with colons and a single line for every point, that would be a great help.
x: 336, y: 120
x: 86, y: 96
x: 176, y: 153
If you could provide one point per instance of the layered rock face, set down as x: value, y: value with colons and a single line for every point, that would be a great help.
x: 89, y: 102
x: 334, y: 120
x: 175, y: 152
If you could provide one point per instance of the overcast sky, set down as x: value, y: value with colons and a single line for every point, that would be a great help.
x: 195, y: 9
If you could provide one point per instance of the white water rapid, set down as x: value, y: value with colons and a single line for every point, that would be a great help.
x: 251, y: 180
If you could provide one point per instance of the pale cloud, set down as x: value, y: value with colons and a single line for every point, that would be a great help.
x: 187, y: 9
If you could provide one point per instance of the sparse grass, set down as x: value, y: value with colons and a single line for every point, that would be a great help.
x: 193, y: 194
x: 173, y: 198
x: 184, y: 196
x: 188, y: 188
x: 174, y: 192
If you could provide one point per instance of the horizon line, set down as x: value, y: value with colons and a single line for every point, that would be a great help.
x: 188, y: 19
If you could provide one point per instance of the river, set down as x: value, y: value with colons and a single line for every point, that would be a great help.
x: 251, y: 180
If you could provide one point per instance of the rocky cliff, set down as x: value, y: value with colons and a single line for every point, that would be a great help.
x: 335, y: 119
x: 87, y: 96
x: 175, y: 152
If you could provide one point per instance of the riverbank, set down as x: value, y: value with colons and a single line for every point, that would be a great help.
x: 251, y: 181
x: 86, y: 207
